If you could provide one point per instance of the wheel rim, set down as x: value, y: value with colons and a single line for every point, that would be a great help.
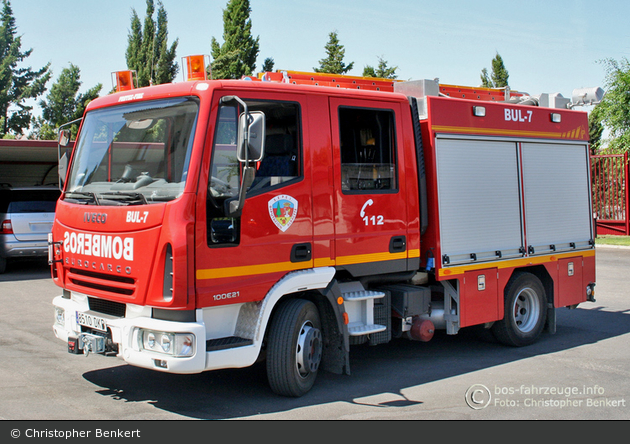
x: 526, y: 310
x: 308, y: 350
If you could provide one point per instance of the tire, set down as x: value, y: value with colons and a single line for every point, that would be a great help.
x: 294, y: 348
x: 524, y: 313
x: 3, y: 264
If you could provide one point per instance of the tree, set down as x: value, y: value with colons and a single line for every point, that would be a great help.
x: 63, y: 104
x: 499, y: 77
x: 333, y: 63
x: 614, y: 109
x: 147, y: 48
x: 268, y: 65
x: 485, y: 79
x: 382, y: 70
x: 17, y: 85
x: 595, y: 129
x: 236, y: 57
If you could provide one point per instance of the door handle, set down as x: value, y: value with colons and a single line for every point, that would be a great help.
x: 301, y: 252
x: 398, y: 244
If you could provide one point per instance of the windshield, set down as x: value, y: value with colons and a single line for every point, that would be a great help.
x: 133, y: 154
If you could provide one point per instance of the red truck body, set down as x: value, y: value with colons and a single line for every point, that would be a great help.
x: 371, y: 215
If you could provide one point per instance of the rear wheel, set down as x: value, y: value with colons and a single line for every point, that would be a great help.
x: 294, y: 348
x: 525, y: 311
x: 3, y: 264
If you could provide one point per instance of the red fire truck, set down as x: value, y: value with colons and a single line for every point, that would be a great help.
x: 210, y: 224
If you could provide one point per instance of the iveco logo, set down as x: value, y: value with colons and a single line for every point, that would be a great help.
x: 95, y: 218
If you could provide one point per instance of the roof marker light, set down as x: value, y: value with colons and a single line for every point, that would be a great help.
x: 124, y: 80
x: 195, y: 67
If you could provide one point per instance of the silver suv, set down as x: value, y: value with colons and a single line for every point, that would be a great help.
x: 26, y: 215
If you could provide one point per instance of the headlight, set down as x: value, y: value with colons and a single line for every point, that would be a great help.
x: 175, y: 344
x: 60, y: 316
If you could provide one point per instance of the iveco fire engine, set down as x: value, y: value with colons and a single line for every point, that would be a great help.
x: 209, y: 224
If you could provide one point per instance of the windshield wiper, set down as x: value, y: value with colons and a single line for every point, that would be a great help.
x: 81, y: 197
x: 124, y: 198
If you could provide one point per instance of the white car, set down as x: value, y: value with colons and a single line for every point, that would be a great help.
x: 26, y: 215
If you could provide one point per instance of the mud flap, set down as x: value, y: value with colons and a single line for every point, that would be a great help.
x: 550, y: 325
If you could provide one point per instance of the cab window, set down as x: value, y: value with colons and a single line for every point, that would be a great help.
x: 281, y: 164
x: 368, y: 145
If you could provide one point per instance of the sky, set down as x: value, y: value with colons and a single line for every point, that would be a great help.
x: 549, y: 46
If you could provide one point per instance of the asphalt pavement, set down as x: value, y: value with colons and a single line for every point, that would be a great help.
x: 580, y: 373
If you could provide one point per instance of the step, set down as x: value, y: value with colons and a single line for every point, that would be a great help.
x: 360, y: 330
x: 362, y: 295
x: 226, y: 343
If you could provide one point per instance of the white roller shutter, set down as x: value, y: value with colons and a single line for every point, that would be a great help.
x: 479, y: 200
x: 556, y: 192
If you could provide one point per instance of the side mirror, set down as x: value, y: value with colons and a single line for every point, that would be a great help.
x: 62, y: 168
x: 64, y: 138
x: 251, y: 136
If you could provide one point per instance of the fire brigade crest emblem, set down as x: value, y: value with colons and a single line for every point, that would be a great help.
x: 283, y: 211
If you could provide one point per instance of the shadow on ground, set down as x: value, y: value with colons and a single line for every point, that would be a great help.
x: 22, y: 269
x: 387, y: 368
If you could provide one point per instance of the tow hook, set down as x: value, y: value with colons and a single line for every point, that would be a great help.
x: 91, y: 343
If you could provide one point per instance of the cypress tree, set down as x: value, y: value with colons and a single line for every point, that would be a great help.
x: 499, y: 73
x: 147, y: 47
x: 236, y: 57
x: 499, y: 76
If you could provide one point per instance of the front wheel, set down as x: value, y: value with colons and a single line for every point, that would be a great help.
x: 294, y: 348
x: 525, y: 311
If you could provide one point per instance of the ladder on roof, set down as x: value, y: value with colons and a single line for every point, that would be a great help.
x: 387, y: 85
x: 332, y: 80
x: 480, y: 93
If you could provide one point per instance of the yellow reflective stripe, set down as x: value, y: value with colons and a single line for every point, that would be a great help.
x: 512, y: 263
x: 374, y: 257
x: 251, y: 270
x: 494, y: 131
x: 324, y: 262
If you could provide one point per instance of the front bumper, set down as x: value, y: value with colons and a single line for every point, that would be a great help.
x: 123, y: 332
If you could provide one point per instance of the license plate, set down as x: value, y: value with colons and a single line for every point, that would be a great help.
x: 87, y: 320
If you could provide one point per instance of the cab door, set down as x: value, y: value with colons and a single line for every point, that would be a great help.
x: 240, y: 257
x: 370, y: 208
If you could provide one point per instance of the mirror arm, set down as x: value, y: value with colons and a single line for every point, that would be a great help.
x: 234, y: 207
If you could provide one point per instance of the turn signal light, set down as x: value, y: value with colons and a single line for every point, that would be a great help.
x: 195, y: 67
x: 123, y: 80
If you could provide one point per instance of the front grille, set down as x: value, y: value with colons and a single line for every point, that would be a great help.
x: 107, y: 307
x: 104, y: 282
